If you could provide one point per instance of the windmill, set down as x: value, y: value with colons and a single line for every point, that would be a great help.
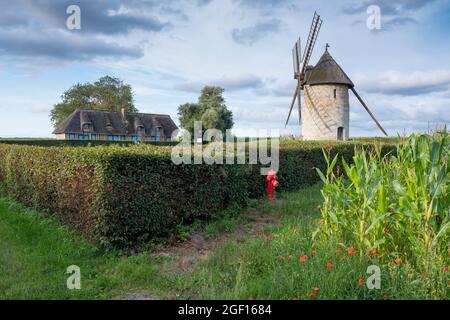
x: 326, y: 111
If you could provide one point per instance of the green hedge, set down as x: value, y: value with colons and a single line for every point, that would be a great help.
x: 121, y: 196
x: 79, y: 143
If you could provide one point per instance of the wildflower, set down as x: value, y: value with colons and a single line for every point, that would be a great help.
x: 391, y: 209
x: 374, y: 252
x: 322, y: 222
x: 312, y: 294
x: 329, y: 265
x: 303, y: 258
x: 368, y: 252
x: 338, y: 251
x: 445, y: 269
x: 290, y: 256
x: 281, y: 258
x: 316, y: 289
x: 361, y: 281
x: 398, y: 260
x: 351, y: 251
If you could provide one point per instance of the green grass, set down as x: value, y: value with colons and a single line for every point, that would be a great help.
x: 35, y: 252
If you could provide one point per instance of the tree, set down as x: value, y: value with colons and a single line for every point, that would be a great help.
x: 108, y: 93
x: 210, y: 109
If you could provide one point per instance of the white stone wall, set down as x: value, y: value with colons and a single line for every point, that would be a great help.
x: 323, y: 114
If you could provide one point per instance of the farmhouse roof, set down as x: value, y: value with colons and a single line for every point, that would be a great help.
x: 327, y: 71
x: 115, y: 123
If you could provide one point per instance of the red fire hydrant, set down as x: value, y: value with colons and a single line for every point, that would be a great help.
x: 272, y: 183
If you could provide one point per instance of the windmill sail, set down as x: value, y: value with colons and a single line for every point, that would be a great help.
x: 299, y: 72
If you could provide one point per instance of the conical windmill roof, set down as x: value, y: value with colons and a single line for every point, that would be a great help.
x: 327, y: 71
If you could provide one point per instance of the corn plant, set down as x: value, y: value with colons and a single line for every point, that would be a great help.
x: 398, y: 202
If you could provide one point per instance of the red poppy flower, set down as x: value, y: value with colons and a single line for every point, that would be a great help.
x: 303, y: 258
x: 368, y: 252
x: 322, y: 222
x: 398, y: 260
x: 445, y: 269
x: 361, y: 281
x: 312, y: 294
x: 316, y: 289
x: 329, y: 265
x: 290, y: 256
x: 338, y: 251
x: 351, y: 251
x: 374, y: 252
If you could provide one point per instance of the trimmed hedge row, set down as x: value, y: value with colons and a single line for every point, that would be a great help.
x: 121, y: 196
x: 79, y: 143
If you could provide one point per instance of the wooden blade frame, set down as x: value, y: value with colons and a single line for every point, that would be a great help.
x: 292, y: 104
x: 370, y: 113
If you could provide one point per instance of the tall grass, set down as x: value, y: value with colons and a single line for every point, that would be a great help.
x: 398, y: 204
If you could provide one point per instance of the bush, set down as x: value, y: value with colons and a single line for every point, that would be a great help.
x: 121, y: 196
x: 79, y: 143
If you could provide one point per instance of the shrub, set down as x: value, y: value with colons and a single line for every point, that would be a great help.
x: 120, y: 196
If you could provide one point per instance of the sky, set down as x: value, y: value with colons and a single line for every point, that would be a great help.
x: 168, y: 50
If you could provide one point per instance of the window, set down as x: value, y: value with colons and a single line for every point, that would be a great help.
x: 72, y: 136
x: 334, y: 93
x: 168, y: 139
x: 155, y: 138
x: 83, y: 137
x: 136, y: 138
x: 85, y: 127
x: 340, y: 133
x: 93, y: 137
x: 110, y: 137
x: 140, y: 129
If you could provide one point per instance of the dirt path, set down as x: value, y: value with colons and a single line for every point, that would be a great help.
x: 198, y: 247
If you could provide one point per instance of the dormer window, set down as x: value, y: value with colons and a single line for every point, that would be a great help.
x: 86, y: 127
x: 140, y: 129
x: 109, y: 127
x: 158, y: 129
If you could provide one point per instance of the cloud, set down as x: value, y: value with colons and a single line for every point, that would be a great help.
x: 61, y: 45
x: 388, y: 7
x: 416, y: 83
x: 229, y: 83
x: 397, y: 22
x: 252, y: 34
x: 37, y: 29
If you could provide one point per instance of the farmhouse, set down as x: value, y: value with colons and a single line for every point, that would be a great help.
x: 115, y: 126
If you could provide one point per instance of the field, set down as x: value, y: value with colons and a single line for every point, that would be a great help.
x: 236, y: 258
x: 378, y: 232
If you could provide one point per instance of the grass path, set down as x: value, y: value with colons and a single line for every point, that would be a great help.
x: 237, y: 257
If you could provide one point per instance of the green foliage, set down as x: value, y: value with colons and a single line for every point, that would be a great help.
x: 210, y: 109
x: 108, y: 93
x: 399, y: 202
x: 81, y: 143
x: 123, y: 196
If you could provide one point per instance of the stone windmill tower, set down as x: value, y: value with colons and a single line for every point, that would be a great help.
x: 326, y: 112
